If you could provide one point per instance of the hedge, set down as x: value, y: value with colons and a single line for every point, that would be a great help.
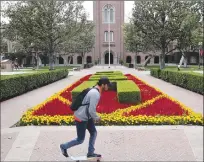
x: 121, y: 77
x: 128, y: 92
x: 15, y: 85
x: 107, y: 72
x: 81, y: 87
x: 187, y: 80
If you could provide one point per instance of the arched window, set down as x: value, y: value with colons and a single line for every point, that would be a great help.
x: 138, y: 59
x: 70, y: 59
x: 61, y: 60
x: 88, y: 59
x: 156, y: 59
x: 166, y: 59
x: 79, y: 60
x: 146, y: 59
x: 106, y: 36
x: 106, y: 14
x: 128, y: 59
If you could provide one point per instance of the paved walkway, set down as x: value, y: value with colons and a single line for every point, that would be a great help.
x: 131, y: 143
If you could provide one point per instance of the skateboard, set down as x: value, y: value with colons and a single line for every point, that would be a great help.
x: 84, y: 158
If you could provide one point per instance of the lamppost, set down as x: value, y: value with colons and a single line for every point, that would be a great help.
x: 109, y: 7
x: 34, y: 54
x: 136, y: 55
x: 199, y: 53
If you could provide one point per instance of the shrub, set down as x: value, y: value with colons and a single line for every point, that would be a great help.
x: 187, y: 80
x: 121, y: 77
x: 128, y: 92
x: 108, y: 72
x: 104, y: 72
x: 12, y: 86
x: 155, y: 73
x: 81, y: 87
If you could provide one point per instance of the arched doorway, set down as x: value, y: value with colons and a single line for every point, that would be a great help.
x: 107, y: 58
x: 156, y: 59
x: 70, y: 59
x: 138, y: 59
x: 146, y: 59
x: 79, y: 60
x: 88, y: 59
x: 128, y: 59
x: 166, y: 59
x: 61, y: 60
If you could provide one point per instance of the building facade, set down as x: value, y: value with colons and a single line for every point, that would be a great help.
x: 113, y: 12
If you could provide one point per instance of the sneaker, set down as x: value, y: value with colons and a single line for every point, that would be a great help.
x: 64, y: 151
x: 93, y: 155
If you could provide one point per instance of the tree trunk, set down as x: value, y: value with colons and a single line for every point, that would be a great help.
x: 70, y: 59
x: 162, y: 59
x: 33, y: 61
x: 37, y: 62
x: 82, y: 56
x: 135, y: 60
x: 147, y: 60
x: 51, y: 61
x: 185, y: 62
x: 183, y: 59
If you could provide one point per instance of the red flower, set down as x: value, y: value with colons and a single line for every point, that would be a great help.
x: 147, y: 92
x: 163, y: 106
x: 54, y: 107
x: 68, y: 92
x: 109, y: 102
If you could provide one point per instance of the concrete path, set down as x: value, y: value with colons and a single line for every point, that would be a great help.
x: 130, y: 143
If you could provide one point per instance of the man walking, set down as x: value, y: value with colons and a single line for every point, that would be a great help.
x: 86, y: 120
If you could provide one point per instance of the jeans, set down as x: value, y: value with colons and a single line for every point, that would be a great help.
x: 81, y: 131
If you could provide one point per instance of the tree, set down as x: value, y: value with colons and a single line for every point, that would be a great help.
x: 159, y: 21
x: 46, y: 23
x: 135, y: 41
x: 85, y: 40
x: 186, y: 37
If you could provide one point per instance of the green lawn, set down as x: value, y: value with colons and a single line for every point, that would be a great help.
x: 30, y: 71
x: 46, y: 68
x: 175, y: 68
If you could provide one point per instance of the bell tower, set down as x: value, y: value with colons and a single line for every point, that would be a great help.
x: 108, y: 17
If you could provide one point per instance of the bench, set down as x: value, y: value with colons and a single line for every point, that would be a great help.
x: 76, y: 69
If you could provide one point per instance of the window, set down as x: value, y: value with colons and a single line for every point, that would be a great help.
x: 107, y: 36
x: 108, y: 13
x: 128, y: 59
x: 88, y: 59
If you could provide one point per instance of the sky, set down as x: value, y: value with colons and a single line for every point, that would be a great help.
x: 88, y: 5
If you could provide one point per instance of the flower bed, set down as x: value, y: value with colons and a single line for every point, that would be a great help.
x: 156, y: 108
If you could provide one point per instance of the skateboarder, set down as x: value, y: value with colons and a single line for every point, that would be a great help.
x: 86, y: 119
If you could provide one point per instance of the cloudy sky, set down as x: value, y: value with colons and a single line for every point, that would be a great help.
x: 88, y: 5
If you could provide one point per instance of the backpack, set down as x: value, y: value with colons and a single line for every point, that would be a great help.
x: 79, y: 99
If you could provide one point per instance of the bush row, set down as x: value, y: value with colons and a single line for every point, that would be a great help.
x: 109, y: 77
x: 16, y: 85
x: 108, y: 74
x: 99, y: 72
x: 187, y: 80
x: 128, y: 92
x: 81, y: 87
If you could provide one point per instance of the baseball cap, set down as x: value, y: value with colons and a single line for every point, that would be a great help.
x: 104, y: 80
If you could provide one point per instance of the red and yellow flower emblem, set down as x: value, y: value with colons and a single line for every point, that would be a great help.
x: 156, y: 108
